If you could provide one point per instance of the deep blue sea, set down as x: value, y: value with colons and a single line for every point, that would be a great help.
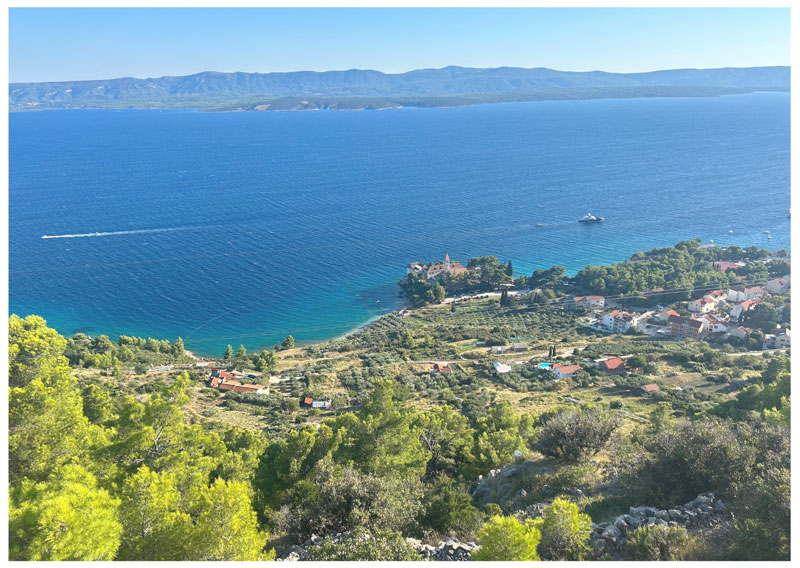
x: 245, y: 227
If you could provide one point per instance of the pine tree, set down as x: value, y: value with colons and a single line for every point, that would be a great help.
x: 228, y: 355
x: 241, y: 353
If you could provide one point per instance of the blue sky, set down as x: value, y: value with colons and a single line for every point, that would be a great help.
x: 48, y: 44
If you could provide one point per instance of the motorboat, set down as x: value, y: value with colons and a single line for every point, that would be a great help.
x: 589, y: 218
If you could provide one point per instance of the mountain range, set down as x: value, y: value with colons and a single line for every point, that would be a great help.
x: 212, y: 89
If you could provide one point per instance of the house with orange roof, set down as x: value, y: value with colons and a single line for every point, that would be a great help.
x: 650, y: 389
x: 742, y: 307
x: 564, y: 371
x: 588, y: 302
x: 724, y: 266
x: 235, y: 386
x: 664, y: 316
x: 611, y: 365
x: 740, y: 332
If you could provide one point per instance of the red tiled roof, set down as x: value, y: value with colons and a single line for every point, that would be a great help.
x: 752, y: 289
x: 214, y: 381
x: 308, y: 400
x: 566, y: 370
x: 723, y: 266
x: 716, y: 294
x: 612, y: 364
x: 238, y: 387
x: 651, y: 388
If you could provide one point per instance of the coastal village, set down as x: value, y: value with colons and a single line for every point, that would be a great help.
x: 717, y: 312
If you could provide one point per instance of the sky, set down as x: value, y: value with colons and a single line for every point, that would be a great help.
x: 63, y: 44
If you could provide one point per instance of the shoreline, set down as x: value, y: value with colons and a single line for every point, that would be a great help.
x: 202, y: 354
x: 331, y: 106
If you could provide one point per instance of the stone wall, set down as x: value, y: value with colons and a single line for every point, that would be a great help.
x: 610, y: 537
x: 446, y: 550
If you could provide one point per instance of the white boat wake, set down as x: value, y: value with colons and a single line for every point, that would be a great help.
x: 115, y: 233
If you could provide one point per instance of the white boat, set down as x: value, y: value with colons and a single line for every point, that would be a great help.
x: 589, y: 218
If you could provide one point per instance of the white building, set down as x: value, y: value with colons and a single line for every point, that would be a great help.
x: 717, y: 322
x: 781, y: 339
x: 502, y: 368
x: 741, y: 293
x: 701, y: 305
x: 587, y: 302
x: 564, y: 371
x: 740, y: 308
x: 619, y: 321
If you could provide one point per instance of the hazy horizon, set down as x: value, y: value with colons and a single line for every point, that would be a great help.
x: 396, y: 73
x: 77, y: 44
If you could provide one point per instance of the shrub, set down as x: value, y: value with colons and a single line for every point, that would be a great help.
x: 449, y: 509
x: 661, y: 542
x: 507, y: 539
x: 363, y: 545
x: 565, y: 532
x: 573, y: 434
x: 493, y: 510
x: 339, y: 498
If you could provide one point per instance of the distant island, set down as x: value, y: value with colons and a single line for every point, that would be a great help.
x: 372, y: 90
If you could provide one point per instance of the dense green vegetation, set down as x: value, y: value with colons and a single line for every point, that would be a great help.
x: 111, y: 460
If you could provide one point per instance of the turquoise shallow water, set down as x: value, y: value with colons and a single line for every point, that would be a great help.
x: 244, y: 227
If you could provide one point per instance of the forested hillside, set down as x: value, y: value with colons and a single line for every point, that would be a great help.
x: 118, y: 466
x: 213, y: 88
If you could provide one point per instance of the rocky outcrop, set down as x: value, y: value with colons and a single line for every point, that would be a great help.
x: 609, y: 537
x: 446, y: 550
x: 502, y: 486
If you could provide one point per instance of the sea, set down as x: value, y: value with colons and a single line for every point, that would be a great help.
x: 244, y: 227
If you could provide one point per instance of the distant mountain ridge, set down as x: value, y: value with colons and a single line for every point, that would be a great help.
x: 215, y: 87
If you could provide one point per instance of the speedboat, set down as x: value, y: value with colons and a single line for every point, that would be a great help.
x: 589, y: 218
